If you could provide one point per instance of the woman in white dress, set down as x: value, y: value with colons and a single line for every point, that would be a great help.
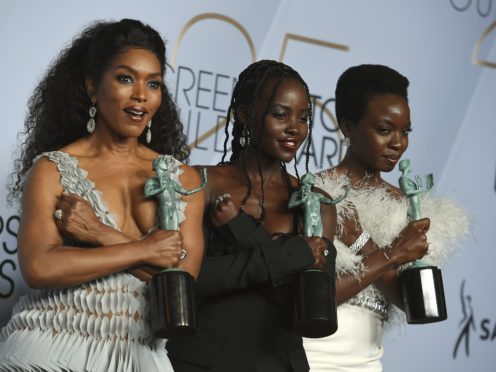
x: 374, y: 237
x: 96, y: 122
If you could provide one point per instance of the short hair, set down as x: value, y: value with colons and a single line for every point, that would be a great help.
x: 358, y: 84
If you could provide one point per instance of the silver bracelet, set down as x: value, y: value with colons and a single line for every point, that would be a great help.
x: 360, y: 242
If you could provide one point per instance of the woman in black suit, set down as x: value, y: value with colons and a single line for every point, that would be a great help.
x: 254, y: 246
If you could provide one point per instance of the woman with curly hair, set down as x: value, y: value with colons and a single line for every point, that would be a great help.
x: 96, y: 122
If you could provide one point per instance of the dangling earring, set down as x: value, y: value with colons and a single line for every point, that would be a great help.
x: 244, y: 140
x: 149, y: 132
x: 90, y: 126
x: 347, y: 141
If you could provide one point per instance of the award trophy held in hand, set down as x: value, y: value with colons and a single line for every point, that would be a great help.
x: 315, y: 310
x: 173, y: 309
x: 423, y: 290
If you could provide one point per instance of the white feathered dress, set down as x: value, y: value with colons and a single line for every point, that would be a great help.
x: 100, y: 326
x: 357, y: 344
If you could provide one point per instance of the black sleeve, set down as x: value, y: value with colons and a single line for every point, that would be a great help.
x: 330, y: 266
x: 254, y: 258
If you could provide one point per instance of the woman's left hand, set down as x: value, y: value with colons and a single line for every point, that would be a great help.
x: 78, y: 220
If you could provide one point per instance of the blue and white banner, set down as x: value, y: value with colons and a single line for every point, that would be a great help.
x: 447, y: 49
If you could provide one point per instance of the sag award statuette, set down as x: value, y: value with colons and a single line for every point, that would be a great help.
x: 315, y: 290
x: 172, y: 301
x: 423, y: 291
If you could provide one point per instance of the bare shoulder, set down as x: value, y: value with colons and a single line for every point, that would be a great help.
x: 42, y: 181
x: 209, y: 168
x: 147, y: 153
x: 43, y: 170
x: 190, y: 176
x: 220, y: 179
x: 215, y: 169
x: 217, y: 173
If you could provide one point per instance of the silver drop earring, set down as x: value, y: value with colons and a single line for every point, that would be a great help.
x: 346, y: 141
x: 90, y: 126
x: 244, y: 140
x: 149, y: 132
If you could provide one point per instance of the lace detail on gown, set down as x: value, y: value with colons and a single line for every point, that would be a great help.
x: 97, y: 326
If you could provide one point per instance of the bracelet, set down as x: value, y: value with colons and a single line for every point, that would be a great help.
x: 384, y: 252
x: 360, y: 242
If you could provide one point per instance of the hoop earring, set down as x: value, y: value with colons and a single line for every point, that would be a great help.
x: 347, y: 141
x: 90, y: 126
x: 149, y: 132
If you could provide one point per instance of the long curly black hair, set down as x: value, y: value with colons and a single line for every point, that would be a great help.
x: 58, y: 109
x: 250, y: 85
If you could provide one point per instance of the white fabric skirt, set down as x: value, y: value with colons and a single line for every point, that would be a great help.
x: 101, y: 326
x: 355, y: 347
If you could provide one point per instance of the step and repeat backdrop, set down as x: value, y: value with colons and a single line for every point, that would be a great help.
x: 447, y: 48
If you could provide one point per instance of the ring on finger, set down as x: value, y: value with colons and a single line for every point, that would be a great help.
x: 58, y: 214
x: 221, y: 197
x: 183, y: 254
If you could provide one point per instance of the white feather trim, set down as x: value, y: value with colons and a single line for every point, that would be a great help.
x: 349, y: 263
x: 449, y: 225
x: 384, y: 215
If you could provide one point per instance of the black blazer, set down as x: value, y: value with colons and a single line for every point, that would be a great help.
x: 245, y: 303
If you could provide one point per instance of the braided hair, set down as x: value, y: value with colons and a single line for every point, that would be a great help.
x: 58, y: 108
x: 250, y: 86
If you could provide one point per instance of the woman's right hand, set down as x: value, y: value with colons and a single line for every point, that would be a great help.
x: 78, y: 220
x: 162, y: 248
x: 412, y: 243
x: 317, y: 246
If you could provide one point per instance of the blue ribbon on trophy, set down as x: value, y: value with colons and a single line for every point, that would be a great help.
x: 423, y: 290
x: 173, y: 309
x: 315, y: 312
